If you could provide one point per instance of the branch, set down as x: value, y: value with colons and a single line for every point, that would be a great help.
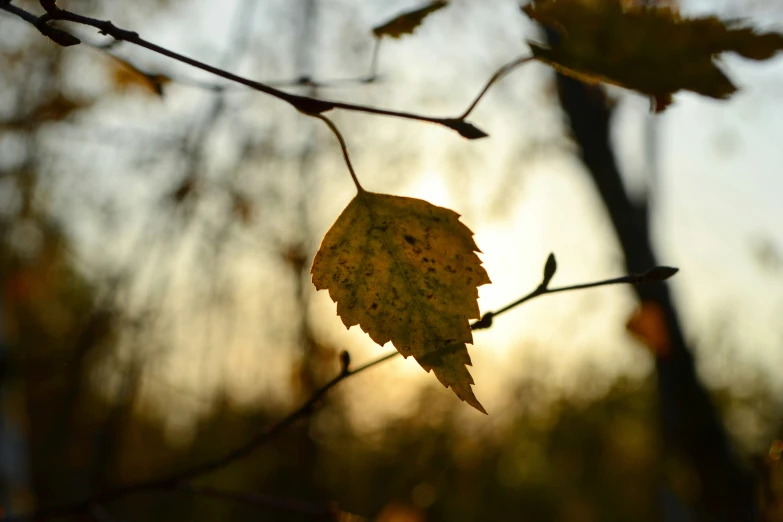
x: 344, y: 148
x: 304, y: 104
x: 657, y: 274
x: 499, y: 75
x: 56, y: 35
x: 180, y: 479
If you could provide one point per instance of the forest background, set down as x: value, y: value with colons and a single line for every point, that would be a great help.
x: 158, y: 227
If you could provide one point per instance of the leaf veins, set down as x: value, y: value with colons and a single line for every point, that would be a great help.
x: 406, y: 271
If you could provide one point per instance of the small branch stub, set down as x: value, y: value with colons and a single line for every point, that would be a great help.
x: 659, y: 273
x: 345, y: 362
x: 549, y: 270
x: 484, y: 323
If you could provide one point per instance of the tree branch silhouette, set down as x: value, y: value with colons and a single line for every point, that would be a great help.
x: 304, y: 104
x: 180, y: 480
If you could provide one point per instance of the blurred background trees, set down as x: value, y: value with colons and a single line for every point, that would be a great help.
x: 157, y: 231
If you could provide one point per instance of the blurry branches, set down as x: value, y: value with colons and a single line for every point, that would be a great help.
x: 180, y: 480
x: 304, y: 104
x: 690, y: 424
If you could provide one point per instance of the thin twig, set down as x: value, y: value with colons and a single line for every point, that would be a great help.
x: 305, y: 104
x: 56, y: 35
x: 659, y: 273
x: 376, y: 49
x: 176, y: 480
x: 344, y: 148
x: 502, y: 72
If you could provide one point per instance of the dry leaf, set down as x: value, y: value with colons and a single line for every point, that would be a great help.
x: 242, y: 208
x: 57, y: 108
x: 125, y: 74
x: 651, y: 50
x: 407, y: 22
x: 648, y: 325
x: 406, y: 271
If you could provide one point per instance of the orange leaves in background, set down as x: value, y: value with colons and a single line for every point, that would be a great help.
x: 651, y: 50
x: 125, y: 75
x: 648, y: 324
x: 407, y: 22
x: 406, y: 271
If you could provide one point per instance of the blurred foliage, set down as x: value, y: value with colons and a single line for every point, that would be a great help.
x: 647, y: 48
x: 407, y: 22
x: 568, y: 459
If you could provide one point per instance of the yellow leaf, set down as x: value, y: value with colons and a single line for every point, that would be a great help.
x: 407, y: 22
x: 648, y: 49
x: 406, y: 271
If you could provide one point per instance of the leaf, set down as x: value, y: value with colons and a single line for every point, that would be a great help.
x: 407, y: 22
x: 406, y: 271
x: 647, y: 49
x: 57, y: 108
x: 648, y: 324
x: 125, y: 75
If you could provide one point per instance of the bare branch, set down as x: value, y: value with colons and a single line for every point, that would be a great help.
x: 180, y: 479
x: 659, y: 273
x: 56, y: 35
x: 304, y: 104
x: 344, y: 148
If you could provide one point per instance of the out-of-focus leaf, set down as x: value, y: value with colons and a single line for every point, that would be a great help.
x: 406, y: 23
x: 187, y: 189
x: 648, y: 324
x: 294, y: 256
x: 57, y: 108
x: 125, y: 75
x: 651, y: 50
x: 406, y: 271
x: 242, y: 208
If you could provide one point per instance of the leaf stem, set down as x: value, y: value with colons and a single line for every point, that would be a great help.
x: 376, y: 49
x: 344, y: 148
x: 499, y: 74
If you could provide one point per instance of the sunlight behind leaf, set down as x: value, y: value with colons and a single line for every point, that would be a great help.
x: 406, y: 271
